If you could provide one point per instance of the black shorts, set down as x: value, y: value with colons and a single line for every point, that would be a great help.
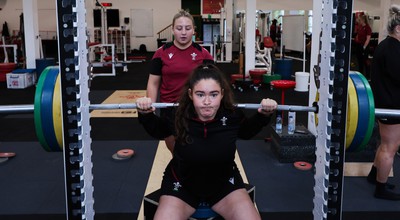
x: 171, y: 186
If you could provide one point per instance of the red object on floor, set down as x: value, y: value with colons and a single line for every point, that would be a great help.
x: 236, y: 76
x: 124, y: 153
x: 7, y: 154
x: 302, y: 165
x: 256, y: 75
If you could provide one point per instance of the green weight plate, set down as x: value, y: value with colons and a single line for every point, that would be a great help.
x: 371, y: 120
x: 57, y: 117
x: 268, y: 78
x: 47, y: 109
x: 37, y: 110
x: 352, y: 113
x: 363, y: 112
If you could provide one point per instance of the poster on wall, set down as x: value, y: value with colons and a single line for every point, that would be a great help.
x: 142, y: 22
x: 293, y: 27
x: 212, y: 6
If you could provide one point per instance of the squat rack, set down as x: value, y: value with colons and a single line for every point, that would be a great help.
x: 331, y: 75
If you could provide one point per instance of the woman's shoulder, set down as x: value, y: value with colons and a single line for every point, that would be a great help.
x: 197, y: 46
x: 163, y: 49
x: 389, y: 42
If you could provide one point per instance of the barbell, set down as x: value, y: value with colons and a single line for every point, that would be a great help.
x: 4, y: 109
x: 48, y: 121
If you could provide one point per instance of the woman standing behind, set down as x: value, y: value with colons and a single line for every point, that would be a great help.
x: 362, y: 40
x: 172, y: 64
x: 385, y: 83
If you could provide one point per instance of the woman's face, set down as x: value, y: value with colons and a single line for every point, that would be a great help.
x: 183, y: 31
x: 206, y: 96
x: 396, y: 32
x: 360, y: 20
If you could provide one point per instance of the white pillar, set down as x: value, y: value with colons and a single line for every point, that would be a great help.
x: 385, y: 5
x: 90, y: 5
x: 229, y: 26
x: 31, y: 31
x: 250, y: 36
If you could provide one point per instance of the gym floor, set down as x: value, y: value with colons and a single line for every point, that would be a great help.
x: 32, y: 185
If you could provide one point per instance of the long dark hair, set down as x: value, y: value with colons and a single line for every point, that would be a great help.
x: 186, y: 109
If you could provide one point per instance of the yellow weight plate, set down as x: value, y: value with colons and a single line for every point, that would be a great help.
x: 57, y: 119
x: 352, y: 113
x: 315, y: 114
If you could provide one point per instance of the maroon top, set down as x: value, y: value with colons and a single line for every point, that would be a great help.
x: 175, y: 66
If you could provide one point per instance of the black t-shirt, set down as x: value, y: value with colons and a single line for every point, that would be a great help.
x: 385, y: 76
x: 208, y: 160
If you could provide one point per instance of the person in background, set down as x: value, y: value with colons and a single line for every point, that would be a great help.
x: 203, y: 168
x: 279, y: 34
x: 385, y: 84
x: 273, y: 31
x: 361, y: 41
x: 172, y: 64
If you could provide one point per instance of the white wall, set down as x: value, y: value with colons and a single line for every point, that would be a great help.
x: 11, y: 11
x: 163, y: 11
x: 10, y: 14
x: 284, y: 5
